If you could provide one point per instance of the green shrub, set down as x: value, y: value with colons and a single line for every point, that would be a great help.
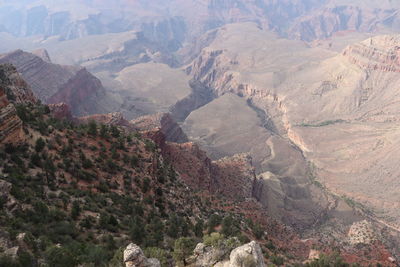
x: 183, y: 248
x: 157, y: 253
x: 213, y: 239
x: 59, y: 257
x: 277, y: 260
x: 92, y: 128
x: 40, y: 144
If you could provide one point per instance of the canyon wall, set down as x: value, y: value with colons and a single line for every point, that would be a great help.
x: 53, y: 83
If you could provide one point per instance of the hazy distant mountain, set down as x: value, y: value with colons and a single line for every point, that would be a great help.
x: 300, y: 19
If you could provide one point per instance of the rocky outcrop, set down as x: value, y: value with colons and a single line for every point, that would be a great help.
x: 116, y: 119
x: 10, y: 124
x: 13, y: 90
x: 247, y: 255
x: 376, y: 53
x: 134, y: 257
x: 61, y: 111
x: 165, y: 123
x: 53, y: 83
x: 14, y: 86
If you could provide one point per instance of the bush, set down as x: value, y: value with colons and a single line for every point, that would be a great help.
x: 258, y: 231
x: 157, y: 253
x: 40, y: 144
x: 229, y: 226
x: 183, y: 248
x: 213, y: 240
x: 213, y: 222
x: 97, y: 255
x: 60, y: 257
x: 137, y: 231
x: 277, y: 260
x: 76, y: 210
x: 145, y: 185
x: 327, y: 261
x: 118, y: 259
x: 92, y: 128
x: 198, y: 228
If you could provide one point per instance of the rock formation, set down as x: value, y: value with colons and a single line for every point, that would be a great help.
x: 14, y: 86
x: 168, y: 126
x: 61, y: 111
x: 11, y: 126
x: 380, y: 53
x: 247, y: 255
x: 13, y: 90
x: 134, y: 257
x: 115, y: 118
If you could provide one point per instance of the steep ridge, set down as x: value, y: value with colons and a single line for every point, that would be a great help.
x: 54, y: 83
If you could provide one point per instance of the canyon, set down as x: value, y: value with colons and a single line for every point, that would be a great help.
x: 293, y: 104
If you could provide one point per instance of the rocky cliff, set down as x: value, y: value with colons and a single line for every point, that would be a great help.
x: 233, y: 177
x: 54, y: 83
x: 380, y: 53
x: 11, y: 127
x: 13, y: 90
x: 171, y: 130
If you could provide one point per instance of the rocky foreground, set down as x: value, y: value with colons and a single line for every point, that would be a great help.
x: 248, y: 255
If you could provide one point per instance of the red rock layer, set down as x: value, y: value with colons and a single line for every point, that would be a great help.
x: 14, y: 87
x: 378, y: 53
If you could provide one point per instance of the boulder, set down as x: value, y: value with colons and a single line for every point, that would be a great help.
x: 12, y: 252
x: 199, y: 249
x: 249, y: 255
x: 134, y: 257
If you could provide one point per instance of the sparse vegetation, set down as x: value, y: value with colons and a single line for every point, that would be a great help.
x: 322, y: 124
x: 86, y: 192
